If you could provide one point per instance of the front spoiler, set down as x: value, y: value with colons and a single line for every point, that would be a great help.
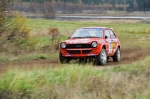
x: 79, y: 55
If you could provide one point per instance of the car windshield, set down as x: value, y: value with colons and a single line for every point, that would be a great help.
x: 88, y: 33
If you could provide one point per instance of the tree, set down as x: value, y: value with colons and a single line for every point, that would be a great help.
x: 143, y: 4
x: 113, y: 2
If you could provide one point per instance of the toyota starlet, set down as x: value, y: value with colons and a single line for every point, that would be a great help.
x: 93, y: 43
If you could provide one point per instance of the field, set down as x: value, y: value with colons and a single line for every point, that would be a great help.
x: 35, y: 72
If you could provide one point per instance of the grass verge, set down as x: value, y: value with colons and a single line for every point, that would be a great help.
x: 78, y: 82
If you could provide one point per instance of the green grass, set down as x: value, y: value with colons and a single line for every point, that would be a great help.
x: 6, y: 57
x: 78, y: 82
x: 70, y: 26
x: 130, y: 31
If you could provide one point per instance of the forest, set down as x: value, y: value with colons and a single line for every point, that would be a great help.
x: 132, y: 4
x: 49, y: 8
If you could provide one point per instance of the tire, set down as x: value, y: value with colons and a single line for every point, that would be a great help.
x: 108, y: 58
x: 62, y: 59
x: 117, y: 55
x: 101, y: 59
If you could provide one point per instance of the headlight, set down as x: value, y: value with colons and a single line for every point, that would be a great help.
x: 94, y: 44
x: 63, y: 45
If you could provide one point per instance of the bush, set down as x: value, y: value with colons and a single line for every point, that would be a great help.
x: 55, y: 37
x: 13, y: 31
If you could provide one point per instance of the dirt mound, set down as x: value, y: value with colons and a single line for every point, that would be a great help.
x: 128, y: 55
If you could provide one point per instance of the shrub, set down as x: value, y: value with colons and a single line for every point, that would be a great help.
x: 13, y: 32
x: 55, y: 37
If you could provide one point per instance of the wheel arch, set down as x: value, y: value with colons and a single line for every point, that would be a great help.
x: 119, y: 46
x: 104, y: 47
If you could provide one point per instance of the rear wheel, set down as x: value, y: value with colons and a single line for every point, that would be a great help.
x: 117, y: 55
x: 101, y: 59
x: 62, y: 59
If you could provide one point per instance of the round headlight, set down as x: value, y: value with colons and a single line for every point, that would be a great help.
x: 94, y: 44
x: 63, y: 45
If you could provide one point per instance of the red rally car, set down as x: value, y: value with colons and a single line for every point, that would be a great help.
x: 98, y: 43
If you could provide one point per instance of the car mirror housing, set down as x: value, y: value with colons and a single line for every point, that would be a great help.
x: 106, y: 37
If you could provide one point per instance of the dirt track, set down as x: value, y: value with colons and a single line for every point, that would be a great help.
x: 127, y: 56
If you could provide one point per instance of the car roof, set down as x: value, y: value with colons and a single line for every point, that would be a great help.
x: 95, y: 27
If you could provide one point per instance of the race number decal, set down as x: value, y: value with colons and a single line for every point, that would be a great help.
x: 110, y: 47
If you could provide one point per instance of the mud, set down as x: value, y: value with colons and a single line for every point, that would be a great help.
x: 128, y: 56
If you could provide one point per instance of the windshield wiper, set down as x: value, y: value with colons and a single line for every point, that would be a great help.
x: 76, y: 37
x: 91, y: 37
x: 87, y: 37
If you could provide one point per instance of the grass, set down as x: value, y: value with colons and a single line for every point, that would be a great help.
x: 78, y: 82
x: 123, y: 30
x: 6, y: 57
x: 70, y: 26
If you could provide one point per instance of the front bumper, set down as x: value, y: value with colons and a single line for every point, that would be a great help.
x: 80, y: 52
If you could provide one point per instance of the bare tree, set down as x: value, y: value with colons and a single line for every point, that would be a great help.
x: 48, y: 10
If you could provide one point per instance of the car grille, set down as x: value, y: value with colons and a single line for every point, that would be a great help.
x: 79, y: 46
x: 86, y: 51
x: 79, y: 52
x: 74, y: 52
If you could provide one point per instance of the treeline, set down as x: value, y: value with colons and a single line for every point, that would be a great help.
x: 50, y: 7
x: 132, y: 4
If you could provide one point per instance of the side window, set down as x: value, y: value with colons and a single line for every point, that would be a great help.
x: 112, y: 34
x: 107, y: 33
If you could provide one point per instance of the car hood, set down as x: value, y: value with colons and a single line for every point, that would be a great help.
x: 82, y: 40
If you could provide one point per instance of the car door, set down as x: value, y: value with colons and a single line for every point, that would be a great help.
x: 113, y: 41
x: 108, y: 42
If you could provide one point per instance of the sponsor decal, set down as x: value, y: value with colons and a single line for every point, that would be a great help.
x: 68, y: 55
x: 76, y: 42
x: 114, y: 45
x: 91, y: 54
x: 110, y: 47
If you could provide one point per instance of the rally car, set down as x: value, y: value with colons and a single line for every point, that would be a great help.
x: 97, y: 43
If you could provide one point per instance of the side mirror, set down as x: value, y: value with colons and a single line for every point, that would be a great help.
x: 106, y: 37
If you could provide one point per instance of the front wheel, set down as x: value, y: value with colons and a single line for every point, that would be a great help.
x: 117, y: 55
x: 62, y: 59
x: 101, y: 59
